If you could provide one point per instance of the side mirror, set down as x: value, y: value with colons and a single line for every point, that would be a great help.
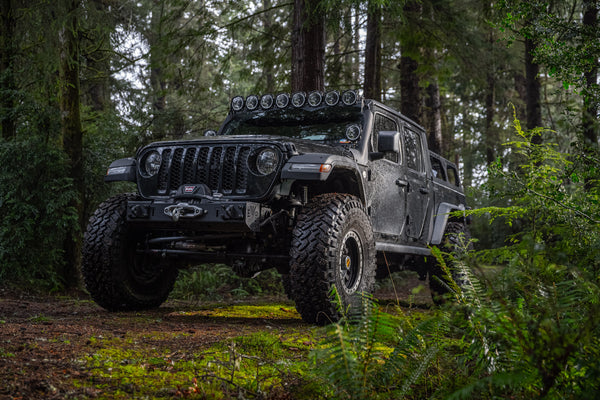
x: 388, y: 141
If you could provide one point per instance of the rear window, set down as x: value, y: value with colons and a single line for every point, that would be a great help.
x: 437, y: 168
x: 453, y: 176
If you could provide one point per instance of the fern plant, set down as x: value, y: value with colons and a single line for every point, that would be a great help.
x: 533, y: 331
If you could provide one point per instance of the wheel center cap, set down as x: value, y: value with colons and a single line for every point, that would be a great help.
x: 348, y: 262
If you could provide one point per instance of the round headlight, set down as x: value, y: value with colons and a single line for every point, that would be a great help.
x: 298, y: 99
x: 266, y: 101
x: 237, y: 103
x: 251, y: 102
x: 152, y: 163
x: 267, y: 161
x: 349, y: 97
x: 353, y: 132
x: 332, y: 98
x: 282, y: 100
x: 315, y: 98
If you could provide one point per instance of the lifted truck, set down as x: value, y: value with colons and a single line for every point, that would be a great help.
x: 331, y: 189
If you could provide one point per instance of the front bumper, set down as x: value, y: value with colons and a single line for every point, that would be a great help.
x: 199, y: 214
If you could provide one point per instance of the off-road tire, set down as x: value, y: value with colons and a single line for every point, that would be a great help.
x: 332, y: 245
x: 457, y: 240
x: 115, y: 276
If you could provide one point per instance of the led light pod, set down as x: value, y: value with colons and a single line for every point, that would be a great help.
x: 237, y: 103
x: 282, y: 100
x: 332, y: 98
x: 349, y: 97
x: 266, y: 101
x: 252, y: 102
x: 353, y: 132
x: 298, y: 99
x: 315, y: 98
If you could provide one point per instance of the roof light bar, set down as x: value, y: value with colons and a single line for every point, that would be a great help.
x: 298, y: 99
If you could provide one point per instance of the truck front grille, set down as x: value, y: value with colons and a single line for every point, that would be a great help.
x: 223, y: 168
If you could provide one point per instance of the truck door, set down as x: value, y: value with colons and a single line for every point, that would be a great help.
x: 418, y: 186
x: 388, y: 198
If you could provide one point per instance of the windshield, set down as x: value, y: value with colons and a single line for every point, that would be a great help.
x: 333, y: 126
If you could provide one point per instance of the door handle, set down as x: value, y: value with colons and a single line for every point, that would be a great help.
x: 424, y: 190
x: 401, y: 182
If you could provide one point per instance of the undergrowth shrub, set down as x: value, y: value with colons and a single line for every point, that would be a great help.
x: 35, y: 204
x: 525, y: 318
x: 218, y: 281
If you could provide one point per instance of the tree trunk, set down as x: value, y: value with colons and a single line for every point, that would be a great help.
x: 308, y: 47
x: 71, y: 130
x: 372, y: 84
x: 534, y: 108
x: 268, y: 67
x: 410, y: 92
x: 490, y: 111
x: 157, y: 79
x: 7, y: 83
x: 95, y: 85
x: 434, y: 118
x: 590, y: 109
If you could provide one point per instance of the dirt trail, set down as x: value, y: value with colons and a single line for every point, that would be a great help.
x: 45, y: 339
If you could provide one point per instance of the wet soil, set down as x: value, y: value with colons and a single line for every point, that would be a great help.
x: 44, y: 339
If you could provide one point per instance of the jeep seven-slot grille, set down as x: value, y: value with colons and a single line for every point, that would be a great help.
x: 223, y: 168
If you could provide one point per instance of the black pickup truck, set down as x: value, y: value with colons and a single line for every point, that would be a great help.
x: 329, y: 188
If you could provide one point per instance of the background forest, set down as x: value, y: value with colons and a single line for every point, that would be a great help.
x: 507, y: 89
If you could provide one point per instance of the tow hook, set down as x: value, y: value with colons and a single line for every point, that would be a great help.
x: 184, y: 210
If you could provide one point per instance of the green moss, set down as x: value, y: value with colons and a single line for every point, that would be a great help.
x: 151, y: 365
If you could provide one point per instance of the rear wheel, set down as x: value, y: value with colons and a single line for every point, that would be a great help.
x: 457, y: 240
x: 117, y: 277
x: 332, y: 246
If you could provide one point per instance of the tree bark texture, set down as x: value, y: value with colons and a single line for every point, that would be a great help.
x: 372, y: 84
x: 491, y: 137
x: 410, y: 91
x: 534, y: 108
x: 157, y: 79
x: 590, y: 110
x: 7, y: 79
x: 96, y: 84
x: 434, y: 119
x: 308, y: 47
x: 72, y: 135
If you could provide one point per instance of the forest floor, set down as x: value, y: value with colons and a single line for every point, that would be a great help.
x: 67, y: 347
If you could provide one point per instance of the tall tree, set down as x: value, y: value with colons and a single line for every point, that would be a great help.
x: 372, y: 83
x: 72, y: 133
x: 7, y: 76
x: 590, y: 109
x: 308, y: 46
x: 410, y: 91
x: 533, y: 87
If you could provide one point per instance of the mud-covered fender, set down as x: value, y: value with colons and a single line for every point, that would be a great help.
x: 122, y: 170
x: 441, y: 219
x: 320, y: 167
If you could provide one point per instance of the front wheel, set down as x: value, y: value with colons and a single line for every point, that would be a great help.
x: 332, y: 246
x: 117, y: 277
